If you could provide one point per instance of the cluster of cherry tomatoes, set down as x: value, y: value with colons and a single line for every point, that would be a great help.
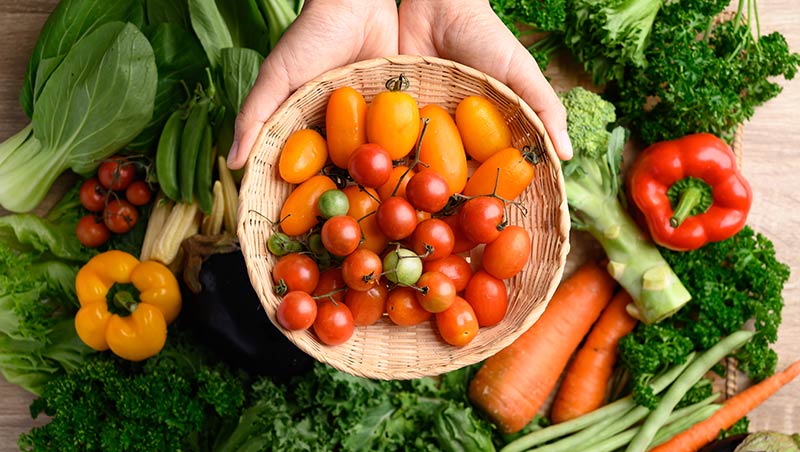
x: 384, y: 214
x: 112, y: 197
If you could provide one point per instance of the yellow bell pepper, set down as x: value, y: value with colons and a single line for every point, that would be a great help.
x: 113, y: 317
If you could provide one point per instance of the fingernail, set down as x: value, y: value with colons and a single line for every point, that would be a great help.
x: 564, y: 145
x: 232, y: 153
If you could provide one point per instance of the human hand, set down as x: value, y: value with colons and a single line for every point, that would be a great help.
x: 326, y: 35
x: 472, y: 34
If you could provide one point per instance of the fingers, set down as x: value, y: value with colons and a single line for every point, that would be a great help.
x: 310, y: 47
x: 526, y: 79
x: 475, y: 36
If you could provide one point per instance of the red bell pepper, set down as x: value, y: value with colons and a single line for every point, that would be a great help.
x: 690, y: 191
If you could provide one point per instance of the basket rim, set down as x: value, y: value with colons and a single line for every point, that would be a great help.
x: 561, y: 230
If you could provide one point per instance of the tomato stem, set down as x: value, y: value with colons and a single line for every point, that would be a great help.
x: 399, y: 83
x: 416, y: 161
x: 330, y: 294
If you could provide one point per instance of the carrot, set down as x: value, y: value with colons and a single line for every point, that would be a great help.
x: 512, y: 385
x: 583, y: 388
x: 734, y: 409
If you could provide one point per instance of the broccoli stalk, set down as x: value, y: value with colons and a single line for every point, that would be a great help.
x: 593, y: 193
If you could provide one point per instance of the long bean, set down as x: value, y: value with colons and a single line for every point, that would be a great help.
x: 600, y: 431
x: 687, y: 379
x: 613, y: 410
x: 677, y: 422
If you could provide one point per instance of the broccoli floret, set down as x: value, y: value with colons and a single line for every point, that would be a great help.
x: 170, y: 402
x: 592, y: 184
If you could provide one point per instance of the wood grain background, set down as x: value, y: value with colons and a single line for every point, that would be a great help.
x: 771, y: 163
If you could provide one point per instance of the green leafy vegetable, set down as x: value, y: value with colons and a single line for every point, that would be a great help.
x: 540, y: 15
x: 38, y: 263
x: 97, y: 100
x: 732, y: 282
x: 607, y: 36
x: 593, y: 193
x: 181, y: 62
x: 70, y: 21
x: 210, y: 28
x: 702, y: 77
x: 173, y: 12
x: 279, y: 14
x: 238, y: 71
x: 331, y: 410
x: 247, y: 26
x: 174, y: 401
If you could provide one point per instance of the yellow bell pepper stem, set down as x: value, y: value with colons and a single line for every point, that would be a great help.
x: 134, y: 329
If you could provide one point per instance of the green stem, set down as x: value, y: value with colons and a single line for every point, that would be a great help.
x: 125, y: 301
x: 689, y: 199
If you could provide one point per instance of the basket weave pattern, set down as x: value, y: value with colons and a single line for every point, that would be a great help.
x: 384, y: 350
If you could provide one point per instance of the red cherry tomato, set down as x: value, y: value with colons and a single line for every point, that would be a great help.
x: 331, y: 285
x: 367, y: 306
x: 92, y: 195
x: 432, y: 239
x: 461, y: 244
x: 138, y: 193
x: 481, y: 218
x: 403, y: 307
x: 297, y: 311
x: 341, y: 235
x: 334, y: 323
x: 454, y: 267
x: 396, y: 218
x: 488, y: 296
x: 295, y: 271
x: 428, y: 191
x: 116, y: 173
x: 436, y: 293
x: 508, y: 254
x: 458, y: 324
x: 120, y: 216
x: 370, y: 165
x: 361, y: 270
x: 91, y: 231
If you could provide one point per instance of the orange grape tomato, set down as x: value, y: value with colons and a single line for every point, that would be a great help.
x: 393, y: 122
x: 516, y: 173
x: 458, y: 324
x: 299, y: 212
x: 403, y: 307
x: 345, y: 124
x: 385, y: 190
x: 303, y: 155
x: 362, y: 203
x: 483, y: 128
x: 441, y: 147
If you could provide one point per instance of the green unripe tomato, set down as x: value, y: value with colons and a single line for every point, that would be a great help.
x: 333, y: 203
x: 281, y: 244
x: 402, y: 266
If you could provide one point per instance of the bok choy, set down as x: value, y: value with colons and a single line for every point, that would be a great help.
x: 97, y: 100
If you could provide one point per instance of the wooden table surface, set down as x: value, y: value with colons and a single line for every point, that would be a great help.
x: 771, y: 163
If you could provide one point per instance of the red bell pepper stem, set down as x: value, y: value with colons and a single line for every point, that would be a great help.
x: 689, y: 198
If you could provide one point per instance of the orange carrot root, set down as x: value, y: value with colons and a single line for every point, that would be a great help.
x: 584, y: 386
x: 512, y: 385
x: 734, y: 409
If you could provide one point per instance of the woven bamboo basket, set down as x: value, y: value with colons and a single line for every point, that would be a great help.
x: 384, y: 350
